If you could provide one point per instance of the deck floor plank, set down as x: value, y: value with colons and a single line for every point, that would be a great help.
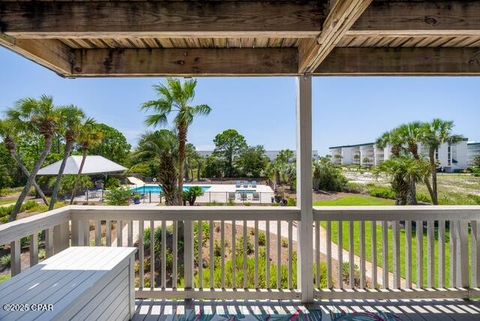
x: 398, y: 310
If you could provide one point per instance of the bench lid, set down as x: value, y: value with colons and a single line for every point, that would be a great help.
x: 62, y: 279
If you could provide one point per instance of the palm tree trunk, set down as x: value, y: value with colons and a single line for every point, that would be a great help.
x: 433, y: 168
x: 16, y: 157
x: 31, y: 178
x: 412, y: 193
x: 182, y: 140
x: 58, y: 182
x: 77, y: 179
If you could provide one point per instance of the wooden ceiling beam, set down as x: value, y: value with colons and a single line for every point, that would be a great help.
x: 341, y: 17
x: 401, y: 62
x: 419, y: 18
x: 184, y: 62
x: 52, y: 54
x: 110, y: 19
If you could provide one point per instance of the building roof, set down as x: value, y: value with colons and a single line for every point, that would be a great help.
x: 245, y: 38
x: 356, y: 145
x: 93, y: 165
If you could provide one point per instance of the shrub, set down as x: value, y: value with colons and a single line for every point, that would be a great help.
x: 381, y: 191
x: 423, y: 198
x: 42, y: 254
x: 346, y: 274
x: 284, y: 243
x: 6, y: 260
x: 239, y: 247
x: 291, y: 202
x: 262, y: 238
x: 118, y: 196
x: 112, y: 182
x: 352, y: 187
x: 328, y: 177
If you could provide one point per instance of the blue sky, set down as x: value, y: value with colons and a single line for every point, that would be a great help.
x: 347, y: 110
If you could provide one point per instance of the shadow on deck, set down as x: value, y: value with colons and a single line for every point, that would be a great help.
x: 331, y: 310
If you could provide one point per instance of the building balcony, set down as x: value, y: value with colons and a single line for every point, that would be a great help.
x: 381, y: 242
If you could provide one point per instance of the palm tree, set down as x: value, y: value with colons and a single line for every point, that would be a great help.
x: 412, y: 134
x: 40, y: 116
x: 405, y: 171
x: 176, y: 96
x: 71, y: 118
x: 191, y: 195
x: 435, y: 134
x: 392, y: 139
x: 159, y: 150
x: 9, y: 132
x: 88, y: 137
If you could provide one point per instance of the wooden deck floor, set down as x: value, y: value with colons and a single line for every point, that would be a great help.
x: 338, y: 310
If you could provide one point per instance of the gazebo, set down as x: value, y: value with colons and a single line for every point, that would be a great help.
x: 300, y: 38
x: 94, y: 164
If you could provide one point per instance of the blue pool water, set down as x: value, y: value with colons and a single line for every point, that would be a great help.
x: 157, y: 189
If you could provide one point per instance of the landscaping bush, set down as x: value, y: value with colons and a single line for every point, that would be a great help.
x: 381, y: 191
x: 118, y: 196
x: 5, y: 261
x: 112, y: 182
x: 239, y: 247
x: 327, y: 176
x: 262, y: 238
x: 346, y: 274
x: 356, y: 188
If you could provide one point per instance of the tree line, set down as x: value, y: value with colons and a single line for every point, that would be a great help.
x: 36, y: 132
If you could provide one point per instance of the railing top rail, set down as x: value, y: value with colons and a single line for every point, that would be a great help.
x: 27, y: 226
x: 396, y: 213
x: 185, y: 213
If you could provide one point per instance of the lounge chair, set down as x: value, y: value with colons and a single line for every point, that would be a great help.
x: 245, y: 184
x: 254, y: 184
x: 238, y: 184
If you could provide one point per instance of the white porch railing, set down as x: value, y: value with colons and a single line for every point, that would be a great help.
x: 384, y: 242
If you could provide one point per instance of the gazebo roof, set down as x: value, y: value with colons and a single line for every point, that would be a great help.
x: 245, y: 38
x: 93, y: 165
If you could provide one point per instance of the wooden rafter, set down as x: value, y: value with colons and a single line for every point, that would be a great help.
x: 51, y: 54
x: 185, y: 62
x: 419, y: 18
x: 401, y: 62
x: 342, y: 16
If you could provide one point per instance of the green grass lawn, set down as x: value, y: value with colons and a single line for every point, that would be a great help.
x: 368, y: 243
x: 364, y: 200
x: 355, y: 200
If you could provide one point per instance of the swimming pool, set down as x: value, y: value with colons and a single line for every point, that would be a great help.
x: 155, y: 189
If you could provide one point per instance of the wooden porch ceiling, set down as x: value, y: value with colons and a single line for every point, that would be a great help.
x: 245, y: 38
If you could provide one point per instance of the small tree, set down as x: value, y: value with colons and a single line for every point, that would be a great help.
x: 118, y: 196
x: 191, y: 194
x: 327, y: 177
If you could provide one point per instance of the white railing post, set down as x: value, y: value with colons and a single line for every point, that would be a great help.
x: 188, y: 254
x: 61, y: 237
x: 462, y: 254
x: 304, y: 188
x: 78, y: 233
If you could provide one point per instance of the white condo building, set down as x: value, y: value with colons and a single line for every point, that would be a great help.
x: 451, y: 157
x: 473, y: 151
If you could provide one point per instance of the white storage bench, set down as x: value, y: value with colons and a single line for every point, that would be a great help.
x: 79, y: 283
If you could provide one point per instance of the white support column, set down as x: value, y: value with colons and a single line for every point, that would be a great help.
x: 304, y: 188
